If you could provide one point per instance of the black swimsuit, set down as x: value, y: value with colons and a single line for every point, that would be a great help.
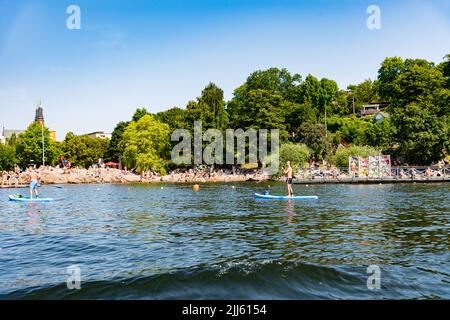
x: 289, y: 180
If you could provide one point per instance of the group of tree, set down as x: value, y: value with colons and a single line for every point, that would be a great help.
x: 35, y: 147
x: 316, y: 119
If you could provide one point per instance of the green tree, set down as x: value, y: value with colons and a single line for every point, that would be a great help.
x: 424, y: 137
x: 300, y: 113
x: 311, y: 91
x: 82, y: 150
x: 146, y: 144
x: 259, y: 109
x: 114, y: 151
x: 276, y: 81
x: 388, y: 74
x: 350, y: 129
x: 298, y: 154
x: 314, y: 136
x: 7, y: 157
x: 175, y: 117
x: 12, y: 141
x: 212, y: 103
x: 364, y: 93
x: 419, y: 108
x: 445, y: 68
x: 380, y: 134
x: 139, y: 113
x: 29, y: 146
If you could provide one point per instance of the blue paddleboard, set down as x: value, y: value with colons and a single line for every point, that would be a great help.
x: 27, y: 199
x: 271, y: 197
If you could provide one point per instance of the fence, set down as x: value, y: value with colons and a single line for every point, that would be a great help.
x: 397, y: 174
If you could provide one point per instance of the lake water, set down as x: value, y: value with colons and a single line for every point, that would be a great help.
x: 167, y: 241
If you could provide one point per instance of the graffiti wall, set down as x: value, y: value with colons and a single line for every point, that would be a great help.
x: 370, y: 167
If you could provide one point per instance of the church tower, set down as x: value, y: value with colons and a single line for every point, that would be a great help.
x: 39, y: 115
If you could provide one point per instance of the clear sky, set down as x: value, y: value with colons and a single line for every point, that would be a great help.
x: 161, y: 53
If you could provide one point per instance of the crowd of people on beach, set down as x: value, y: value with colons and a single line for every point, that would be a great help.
x: 315, y: 171
x: 99, y: 173
x: 210, y: 174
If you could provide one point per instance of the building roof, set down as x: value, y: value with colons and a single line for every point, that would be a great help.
x: 8, y: 133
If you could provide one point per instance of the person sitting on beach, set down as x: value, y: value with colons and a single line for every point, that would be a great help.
x: 34, y: 178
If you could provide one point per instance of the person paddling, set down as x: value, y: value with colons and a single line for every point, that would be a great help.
x: 288, y: 174
x: 33, y: 182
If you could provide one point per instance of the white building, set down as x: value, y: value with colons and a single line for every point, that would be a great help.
x: 7, y: 134
x: 2, y: 139
x: 100, y: 134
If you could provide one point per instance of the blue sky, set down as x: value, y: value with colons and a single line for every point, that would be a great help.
x: 161, y: 53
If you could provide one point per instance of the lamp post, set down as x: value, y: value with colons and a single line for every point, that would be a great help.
x: 43, y: 145
x: 353, y: 99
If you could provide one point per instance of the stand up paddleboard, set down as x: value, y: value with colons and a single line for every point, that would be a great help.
x: 28, y: 199
x: 270, y: 197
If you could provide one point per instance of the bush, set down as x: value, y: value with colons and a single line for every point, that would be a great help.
x: 298, y: 154
x: 343, y: 153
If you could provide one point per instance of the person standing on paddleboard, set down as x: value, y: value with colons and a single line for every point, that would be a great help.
x: 288, y: 174
x: 34, y: 178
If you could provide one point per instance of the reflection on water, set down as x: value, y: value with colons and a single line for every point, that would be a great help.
x: 131, y: 240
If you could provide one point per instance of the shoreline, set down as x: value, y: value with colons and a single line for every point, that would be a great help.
x: 57, y: 176
x: 295, y: 182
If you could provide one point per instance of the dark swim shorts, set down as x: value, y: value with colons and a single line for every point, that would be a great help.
x: 289, y: 180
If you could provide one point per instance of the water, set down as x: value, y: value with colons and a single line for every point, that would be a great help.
x: 144, y: 242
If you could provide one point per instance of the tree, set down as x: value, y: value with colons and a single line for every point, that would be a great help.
x: 12, y: 140
x: 419, y: 107
x: 445, y: 68
x: 380, y: 134
x: 259, y: 109
x: 300, y: 113
x: 146, y: 144
x: 29, y: 146
x: 390, y: 70
x: 175, y: 117
x: 311, y: 92
x: 82, y: 150
x: 212, y: 103
x: 349, y: 128
x: 114, y: 151
x: 314, y: 136
x: 364, y: 93
x: 276, y: 81
x: 424, y: 137
x: 7, y: 157
x: 139, y: 113
x: 297, y: 154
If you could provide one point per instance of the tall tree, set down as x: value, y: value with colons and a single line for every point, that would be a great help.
x: 419, y: 107
x: 139, y: 113
x: 114, y: 151
x: 146, y: 144
x: 29, y: 146
x: 212, y: 103
x: 314, y: 136
x: 82, y: 150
